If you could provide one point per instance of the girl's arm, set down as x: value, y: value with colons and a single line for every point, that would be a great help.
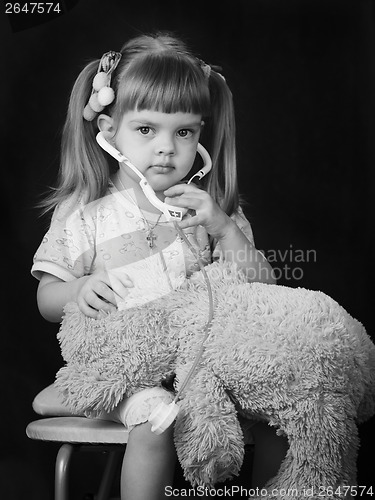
x: 93, y: 293
x: 237, y: 248
x: 53, y: 294
x: 234, y: 244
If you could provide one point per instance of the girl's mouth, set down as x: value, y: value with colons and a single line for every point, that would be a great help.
x: 162, y: 168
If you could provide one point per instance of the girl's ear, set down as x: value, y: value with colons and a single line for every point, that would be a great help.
x: 105, y: 124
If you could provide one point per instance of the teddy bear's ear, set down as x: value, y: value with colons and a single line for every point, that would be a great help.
x: 208, y: 435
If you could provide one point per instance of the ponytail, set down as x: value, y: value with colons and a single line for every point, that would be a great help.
x: 222, y: 181
x: 83, y: 168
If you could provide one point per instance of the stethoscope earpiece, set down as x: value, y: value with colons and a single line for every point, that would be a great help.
x: 207, y: 163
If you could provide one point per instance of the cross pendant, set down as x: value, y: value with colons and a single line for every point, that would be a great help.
x: 150, y: 239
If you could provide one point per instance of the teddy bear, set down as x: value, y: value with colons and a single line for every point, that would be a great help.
x: 291, y: 357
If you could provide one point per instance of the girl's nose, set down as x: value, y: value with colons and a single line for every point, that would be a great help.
x: 165, y: 146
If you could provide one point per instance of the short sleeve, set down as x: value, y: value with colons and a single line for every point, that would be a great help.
x: 67, y: 249
x: 239, y: 218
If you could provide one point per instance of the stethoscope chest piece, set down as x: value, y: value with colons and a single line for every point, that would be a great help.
x: 163, y: 416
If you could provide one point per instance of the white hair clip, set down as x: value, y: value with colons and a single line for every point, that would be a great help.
x: 102, y: 93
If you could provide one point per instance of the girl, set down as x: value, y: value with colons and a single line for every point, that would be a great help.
x: 108, y: 246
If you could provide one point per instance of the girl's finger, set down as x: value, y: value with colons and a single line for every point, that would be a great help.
x: 88, y: 311
x: 184, y: 202
x: 190, y: 222
x: 126, y: 280
x: 90, y: 304
x: 179, y: 189
x: 119, y: 285
x: 103, y: 291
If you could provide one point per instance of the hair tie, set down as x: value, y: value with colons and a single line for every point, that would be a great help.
x: 206, y: 68
x: 102, y: 93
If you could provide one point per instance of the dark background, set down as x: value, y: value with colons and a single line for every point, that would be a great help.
x: 302, y: 75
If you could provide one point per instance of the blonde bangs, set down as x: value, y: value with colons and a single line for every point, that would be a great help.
x: 161, y: 83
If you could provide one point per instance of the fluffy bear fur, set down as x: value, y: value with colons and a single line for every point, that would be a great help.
x: 292, y: 357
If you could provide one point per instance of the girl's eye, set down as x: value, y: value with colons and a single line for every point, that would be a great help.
x: 184, y: 132
x: 144, y: 130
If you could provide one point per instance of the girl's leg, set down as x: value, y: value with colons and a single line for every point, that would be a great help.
x: 149, y: 460
x: 148, y: 465
x: 269, y: 451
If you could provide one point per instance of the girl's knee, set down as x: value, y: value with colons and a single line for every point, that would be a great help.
x: 142, y: 436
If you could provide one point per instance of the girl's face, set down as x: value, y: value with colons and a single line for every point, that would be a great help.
x: 161, y: 145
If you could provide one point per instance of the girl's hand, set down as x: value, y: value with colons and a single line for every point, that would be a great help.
x: 207, y: 212
x: 102, y: 291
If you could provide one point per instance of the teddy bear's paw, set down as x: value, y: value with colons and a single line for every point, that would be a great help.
x: 216, y: 469
x: 208, y: 436
x: 207, y: 458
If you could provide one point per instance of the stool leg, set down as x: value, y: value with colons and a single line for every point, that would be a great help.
x: 61, y: 471
x: 114, y: 457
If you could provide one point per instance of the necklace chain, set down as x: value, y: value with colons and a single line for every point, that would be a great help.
x: 150, y: 234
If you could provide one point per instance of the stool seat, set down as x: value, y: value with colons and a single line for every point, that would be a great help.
x: 48, y: 403
x: 80, y: 430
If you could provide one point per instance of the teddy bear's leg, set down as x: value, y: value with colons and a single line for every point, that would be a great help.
x: 322, y: 452
x: 208, y: 436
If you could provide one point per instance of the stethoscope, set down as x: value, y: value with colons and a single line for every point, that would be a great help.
x: 171, y: 213
x: 164, y: 414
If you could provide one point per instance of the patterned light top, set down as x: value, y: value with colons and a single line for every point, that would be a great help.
x: 110, y: 234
